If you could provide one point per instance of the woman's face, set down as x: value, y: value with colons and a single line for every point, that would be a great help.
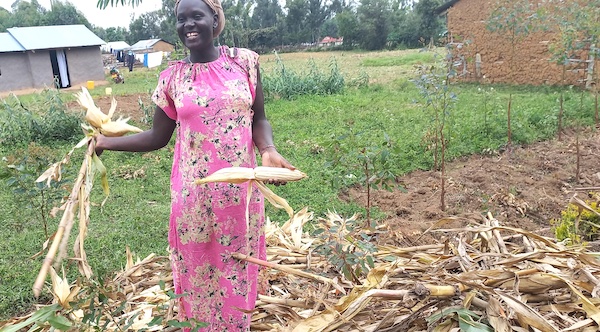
x: 195, y: 24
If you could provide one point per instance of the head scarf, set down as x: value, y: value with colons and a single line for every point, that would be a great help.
x: 215, y: 5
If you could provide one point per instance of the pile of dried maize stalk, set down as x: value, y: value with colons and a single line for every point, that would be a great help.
x: 482, y: 277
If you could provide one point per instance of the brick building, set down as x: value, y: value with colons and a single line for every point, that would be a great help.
x: 483, y: 55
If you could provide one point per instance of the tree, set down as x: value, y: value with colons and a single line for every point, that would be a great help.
x: 236, y: 30
x: 317, y: 14
x: 168, y: 22
x: 5, y: 19
x: 147, y: 26
x: 330, y: 28
x: 27, y: 14
x: 65, y: 13
x: 430, y: 23
x: 373, y: 17
x: 347, y: 23
x: 104, y: 3
x: 404, y: 25
x: 116, y: 34
x: 267, y: 24
x: 296, y: 21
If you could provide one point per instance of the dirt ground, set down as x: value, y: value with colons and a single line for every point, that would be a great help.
x: 522, y: 187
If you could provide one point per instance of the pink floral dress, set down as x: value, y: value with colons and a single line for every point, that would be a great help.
x: 211, y: 103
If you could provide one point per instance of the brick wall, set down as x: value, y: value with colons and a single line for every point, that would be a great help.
x: 467, y: 21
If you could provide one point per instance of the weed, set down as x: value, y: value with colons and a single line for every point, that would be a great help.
x: 48, y: 122
x: 347, y: 247
x: 365, y: 163
x: 21, y: 171
x: 288, y: 84
x: 577, y: 224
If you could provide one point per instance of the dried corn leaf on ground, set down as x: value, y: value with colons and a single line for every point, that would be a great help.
x: 484, y: 276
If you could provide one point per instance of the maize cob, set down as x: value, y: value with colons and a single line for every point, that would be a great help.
x: 256, y: 176
x: 230, y: 175
x: 261, y: 173
x: 264, y: 173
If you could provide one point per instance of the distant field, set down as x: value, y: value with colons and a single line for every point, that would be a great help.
x: 382, y: 67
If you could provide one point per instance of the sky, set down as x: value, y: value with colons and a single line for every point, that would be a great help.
x: 118, y: 16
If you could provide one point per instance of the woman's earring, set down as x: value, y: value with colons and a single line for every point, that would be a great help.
x: 215, y: 25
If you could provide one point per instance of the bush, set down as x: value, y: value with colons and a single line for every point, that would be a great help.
x: 287, y: 84
x: 44, y: 120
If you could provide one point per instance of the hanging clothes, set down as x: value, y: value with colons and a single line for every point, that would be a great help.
x: 61, y: 58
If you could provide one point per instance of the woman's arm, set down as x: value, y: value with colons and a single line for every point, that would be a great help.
x: 262, y: 132
x: 153, y: 139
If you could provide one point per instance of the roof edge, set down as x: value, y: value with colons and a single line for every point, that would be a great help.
x: 443, y: 8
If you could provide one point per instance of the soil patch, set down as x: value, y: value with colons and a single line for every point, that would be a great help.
x: 525, y: 187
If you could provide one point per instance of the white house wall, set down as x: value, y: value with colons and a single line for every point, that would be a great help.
x: 85, y: 64
x: 14, y: 72
x: 26, y: 70
x: 40, y: 68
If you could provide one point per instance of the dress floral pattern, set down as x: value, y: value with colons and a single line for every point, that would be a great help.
x: 211, y: 103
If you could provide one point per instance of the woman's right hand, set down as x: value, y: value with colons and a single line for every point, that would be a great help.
x: 99, y: 143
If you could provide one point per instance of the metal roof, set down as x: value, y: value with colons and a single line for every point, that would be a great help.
x: 117, y: 45
x: 9, y: 44
x: 144, y: 44
x: 55, y: 36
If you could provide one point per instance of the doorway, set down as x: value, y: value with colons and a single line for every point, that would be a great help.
x: 60, y: 69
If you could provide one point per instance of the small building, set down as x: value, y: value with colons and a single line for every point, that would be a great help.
x: 49, y: 56
x: 331, y: 41
x: 152, y: 45
x: 486, y: 56
x: 115, y: 46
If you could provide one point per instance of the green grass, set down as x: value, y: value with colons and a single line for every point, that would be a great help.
x: 407, y: 60
x: 136, y: 213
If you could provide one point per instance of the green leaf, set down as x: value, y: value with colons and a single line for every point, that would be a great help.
x: 100, y: 169
x: 176, y: 323
x: 42, y: 315
x: 60, y: 323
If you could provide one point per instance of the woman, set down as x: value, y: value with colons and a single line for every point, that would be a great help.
x: 215, y: 101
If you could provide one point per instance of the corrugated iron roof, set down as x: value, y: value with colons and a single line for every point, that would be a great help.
x: 9, y: 44
x: 144, y: 44
x: 117, y: 45
x: 55, y: 36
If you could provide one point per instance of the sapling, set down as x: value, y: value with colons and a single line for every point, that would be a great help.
x: 439, y: 99
x: 515, y: 19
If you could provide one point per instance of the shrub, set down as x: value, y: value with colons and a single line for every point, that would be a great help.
x: 44, y: 120
x: 577, y: 224
x: 287, y: 84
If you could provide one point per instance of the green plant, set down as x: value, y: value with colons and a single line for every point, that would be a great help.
x: 515, y: 19
x: 365, y: 163
x: 577, y: 224
x: 45, y: 120
x: 148, y: 111
x: 439, y: 99
x: 21, y: 171
x: 287, y: 84
x: 466, y: 320
x: 347, y: 247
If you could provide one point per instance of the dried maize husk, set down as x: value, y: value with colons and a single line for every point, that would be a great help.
x: 102, y: 122
x: 118, y: 128
x: 93, y: 115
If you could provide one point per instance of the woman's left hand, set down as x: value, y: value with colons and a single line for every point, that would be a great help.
x: 272, y: 158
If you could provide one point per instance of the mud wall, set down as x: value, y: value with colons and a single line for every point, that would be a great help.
x: 472, y: 41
